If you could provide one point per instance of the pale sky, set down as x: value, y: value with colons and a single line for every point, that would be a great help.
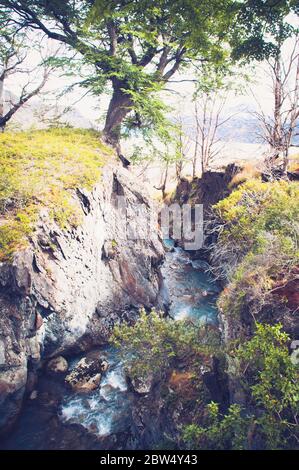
x: 94, y: 108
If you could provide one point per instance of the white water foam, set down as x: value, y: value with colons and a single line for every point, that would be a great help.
x: 182, y: 314
x: 116, y: 379
x: 91, y: 417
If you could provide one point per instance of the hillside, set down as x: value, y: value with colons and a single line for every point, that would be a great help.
x: 42, y: 169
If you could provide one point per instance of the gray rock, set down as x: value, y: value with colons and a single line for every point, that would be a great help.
x: 33, y: 395
x: 104, y: 365
x: 2, y: 352
x: 142, y: 386
x: 86, y: 376
x: 64, y: 293
x: 57, y: 366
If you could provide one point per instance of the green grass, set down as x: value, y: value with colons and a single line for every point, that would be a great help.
x: 294, y: 163
x: 260, y: 225
x: 42, y: 168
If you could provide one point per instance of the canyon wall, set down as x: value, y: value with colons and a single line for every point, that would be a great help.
x: 64, y: 292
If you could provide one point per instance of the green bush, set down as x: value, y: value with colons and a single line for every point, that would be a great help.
x: 258, y: 226
x: 257, y: 213
x: 270, y: 380
x: 42, y: 169
x: 155, y: 345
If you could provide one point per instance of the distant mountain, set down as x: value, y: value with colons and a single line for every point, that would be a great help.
x: 30, y: 115
x: 242, y: 127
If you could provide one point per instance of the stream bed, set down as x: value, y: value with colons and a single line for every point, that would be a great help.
x: 61, y: 419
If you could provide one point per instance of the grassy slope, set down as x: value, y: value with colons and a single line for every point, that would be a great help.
x: 260, y: 225
x: 40, y: 169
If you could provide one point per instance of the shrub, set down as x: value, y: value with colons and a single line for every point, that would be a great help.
x: 270, y: 380
x: 155, y: 345
x: 220, y: 432
x: 258, y: 211
x: 258, y: 226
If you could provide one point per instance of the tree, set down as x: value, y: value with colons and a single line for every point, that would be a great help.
x: 155, y: 345
x: 209, y: 117
x: 13, y: 54
x: 280, y: 127
x: 182, y: 148
x: 137, y: 46
x: 214, y: 87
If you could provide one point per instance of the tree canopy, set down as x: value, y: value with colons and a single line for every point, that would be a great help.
x: 136, y: 46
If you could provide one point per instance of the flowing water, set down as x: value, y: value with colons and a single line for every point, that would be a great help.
x: 191, y: 292
x: 105, y: 410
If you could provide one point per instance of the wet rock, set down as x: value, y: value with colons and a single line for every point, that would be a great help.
x: 57, y: 366
x: 31, y: 381
x: 2, y: 352
x: 33, y: 395
x: 86, y: 376
x: 142, y: 386
x: 12, y: 389
x: 104, y: 365
x: 65, y: 292
x: 38, y: 321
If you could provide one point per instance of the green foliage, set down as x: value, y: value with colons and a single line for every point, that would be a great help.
x: 260, y: 24
x: 153, y: 345
x: 271, y: 381
x: 149, y: 116
x: 42, y: 169
x: 221, y: 431
x: 258, y: 208
x: 258, y: 239
x: 137, y: 46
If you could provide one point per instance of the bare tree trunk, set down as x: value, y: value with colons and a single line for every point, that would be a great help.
x: 163, y: 188
x: 119, y: 107
x: 277, y: 130
x: 294, y: 115
x: 195, y: 155
x: 164, y: 178
x: 2, y: 124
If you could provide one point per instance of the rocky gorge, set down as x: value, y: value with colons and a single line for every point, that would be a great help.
x: 63, y: 293
x: 62, y: 385
x: 60, y: 300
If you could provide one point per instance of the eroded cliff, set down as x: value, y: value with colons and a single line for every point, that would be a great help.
x: 64, y: 292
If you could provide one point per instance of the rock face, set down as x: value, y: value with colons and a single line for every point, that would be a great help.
x: 66, y: 290
x: 207, y: 190
x: 87, y: 374
x: 57, y: 366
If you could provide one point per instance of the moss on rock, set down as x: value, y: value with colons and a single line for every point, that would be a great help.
x: 42, y: 168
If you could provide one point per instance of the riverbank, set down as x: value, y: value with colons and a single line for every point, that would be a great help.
x: 60, y: 419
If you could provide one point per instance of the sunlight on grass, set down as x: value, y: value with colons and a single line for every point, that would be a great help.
x: 42, y: 169
x: 294, y: 163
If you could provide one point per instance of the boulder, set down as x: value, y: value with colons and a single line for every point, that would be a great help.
x: 33, y: 395
x: 57, y: 366
x: 142, y: 386
x: 86, y: 376
x: 104, y: 365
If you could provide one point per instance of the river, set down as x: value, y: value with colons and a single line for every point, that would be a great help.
x: 60, y: 419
